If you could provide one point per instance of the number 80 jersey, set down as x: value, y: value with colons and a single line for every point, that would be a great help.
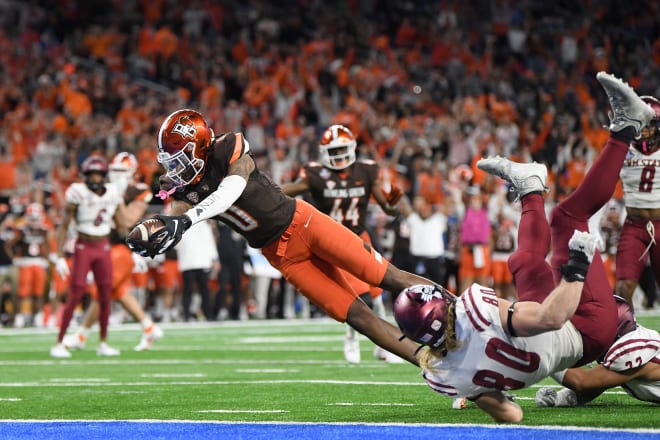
x: 640, y: 176
x: 487, y: 359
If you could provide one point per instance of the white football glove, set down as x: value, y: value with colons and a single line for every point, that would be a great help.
x: 586, y: 243
x: 547, y: 396
x: 139, y: 263
x: 62, y: 267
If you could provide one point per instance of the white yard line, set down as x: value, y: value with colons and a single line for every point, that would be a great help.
x: 369, y: 404
x: 243, y: 411
x: 234, y: 361
x: 82, y: 383
x: 167, y: 375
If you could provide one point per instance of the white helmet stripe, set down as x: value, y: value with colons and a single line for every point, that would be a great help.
x: 162, y: 128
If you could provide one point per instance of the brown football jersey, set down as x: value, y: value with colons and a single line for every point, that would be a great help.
x: 343, y: 194
x: 261, y: 214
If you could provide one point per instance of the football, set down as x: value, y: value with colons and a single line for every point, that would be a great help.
x: 145, y: 229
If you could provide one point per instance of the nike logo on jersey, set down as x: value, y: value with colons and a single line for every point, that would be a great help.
x: 308, y: 220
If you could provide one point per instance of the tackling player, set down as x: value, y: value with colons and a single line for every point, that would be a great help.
x: 632, y: 362
x: 482, y: 346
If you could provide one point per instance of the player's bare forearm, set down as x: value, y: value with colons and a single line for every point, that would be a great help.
x: 292, y: 189
x: 500, y: 408
x: 120, y: 221
x: 531, y: 318
x: 179, y: 207
x: 587, y: 380
x: 69, y: 214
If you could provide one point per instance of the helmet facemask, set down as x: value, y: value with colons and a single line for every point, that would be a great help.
x: 95, y: 166
x: 95, y: 185
x: 181, y: 169
x: 184, y: 139
x: 649, y: 140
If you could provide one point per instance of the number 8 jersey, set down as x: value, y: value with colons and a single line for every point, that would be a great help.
x: 487, y: 359
x: 640, y: 177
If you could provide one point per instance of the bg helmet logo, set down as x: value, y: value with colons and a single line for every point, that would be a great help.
x: 184, y: 130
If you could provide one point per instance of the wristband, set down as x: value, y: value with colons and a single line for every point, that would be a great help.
x: 577, y: 266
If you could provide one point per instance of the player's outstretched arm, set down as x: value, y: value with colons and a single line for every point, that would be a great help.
x: 293, y: 189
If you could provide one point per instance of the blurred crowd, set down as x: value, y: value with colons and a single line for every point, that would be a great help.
x: 427, y: 87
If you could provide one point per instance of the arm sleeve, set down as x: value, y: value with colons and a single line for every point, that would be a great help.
x: 229, y: 190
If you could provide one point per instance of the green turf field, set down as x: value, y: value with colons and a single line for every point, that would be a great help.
x: 252, y: 371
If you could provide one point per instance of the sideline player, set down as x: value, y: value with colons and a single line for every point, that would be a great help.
x: 93, y: 205
x: 136, y: 199
x: 640, y: 176
x: 341, y: 186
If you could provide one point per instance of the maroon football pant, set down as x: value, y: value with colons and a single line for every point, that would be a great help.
x: 634, y: 241
x: 94, y: 256
x: 596, y: 316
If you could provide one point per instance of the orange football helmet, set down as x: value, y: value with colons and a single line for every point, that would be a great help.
x: 34, y: 214
x: 122, y: 167
x: 184, y: 139
x: 337, y: 147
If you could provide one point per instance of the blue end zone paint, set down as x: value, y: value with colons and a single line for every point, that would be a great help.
x: 151, y: 430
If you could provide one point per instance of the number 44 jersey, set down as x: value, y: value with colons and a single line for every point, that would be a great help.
x: 343, y: 194
x: 487, y: 359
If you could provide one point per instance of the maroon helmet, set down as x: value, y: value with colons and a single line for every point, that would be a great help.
x: 625, y: 317
x: 421, y: 312
x: 94, y: 164
x: 649, y: 141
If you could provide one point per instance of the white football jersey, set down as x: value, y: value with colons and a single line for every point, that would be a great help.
x: 488, y: 359
x: 95, y: 213
x: 640, y: 176
x: 632, y: 350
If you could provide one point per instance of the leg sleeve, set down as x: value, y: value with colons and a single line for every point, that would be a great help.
x: 531, y: 273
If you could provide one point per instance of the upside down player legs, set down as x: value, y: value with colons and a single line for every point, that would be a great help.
x: 566, y: 314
